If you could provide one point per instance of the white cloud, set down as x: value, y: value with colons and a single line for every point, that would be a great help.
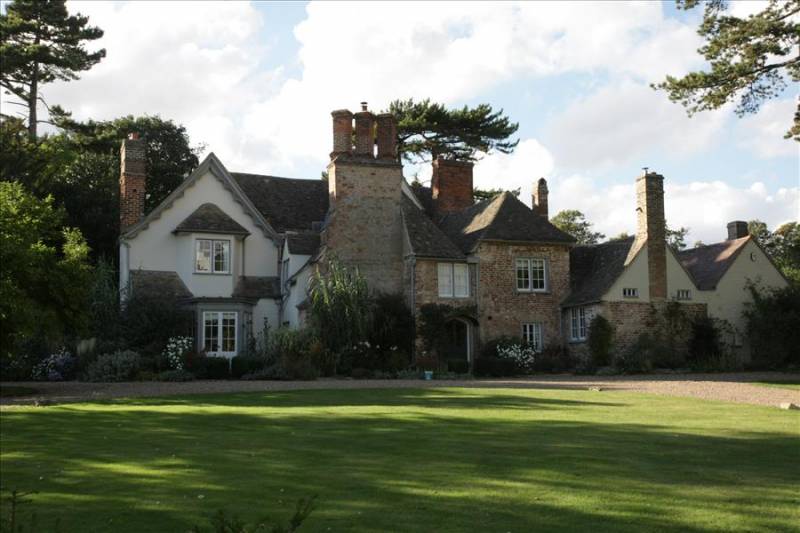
x: 627, y: 121
x: 762, y: 133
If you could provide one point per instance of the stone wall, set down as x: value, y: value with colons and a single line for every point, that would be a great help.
x: 501, y: 308
x: 426, y: 283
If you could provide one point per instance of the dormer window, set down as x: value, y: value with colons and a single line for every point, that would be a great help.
x: 212, y: 256
x: 630, y: 292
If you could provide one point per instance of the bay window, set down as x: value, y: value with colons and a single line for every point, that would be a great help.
x: 219, y: 333
x: 213, y: 256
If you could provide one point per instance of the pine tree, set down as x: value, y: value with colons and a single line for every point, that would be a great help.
x: 41, y: 42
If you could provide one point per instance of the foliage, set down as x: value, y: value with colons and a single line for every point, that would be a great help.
x: 104, y: 301
x: 427, y: 130
x: 458, y: 366
x: 223, y: 523
x: 290, y: 357
x: 44, y: 277
x: 215, y: 368
x: 676, y: 238
x: 243, y: 364
x: 392, y: 323
x: 41, y: 42
x: 601, y: 338
x: 750, y: 59
x: 177, y: 375
x: 495, y: 367
x: 638, y: 357
x: 479, y: 195
x: 175, y: 351
x: 59, y: 366
x: 426, y: 361
x: 554, y: 358
x: 490, y: 347
x: 432, y: 321
x: 523, y: 355
x: 574, y: 222
x: 708, y: 350
x: 117, y: 366
x: 782, y: 245
x: 772, y: 326
x: 148, y: 321
x: 670, y: 330
x: 340, y: 305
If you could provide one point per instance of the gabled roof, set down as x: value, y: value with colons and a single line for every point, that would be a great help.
x: 305, y: 243
x: 158, y: 283
x: 286, y: 203
x: 425, y: 238
x: 257, y: 287
x: 707, y: 264
x: 209, y: 218
x: 502, y: 218
x: 594, y: 269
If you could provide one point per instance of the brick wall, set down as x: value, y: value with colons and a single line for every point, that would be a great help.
x: 132, y: 181
x: 451, y: 185
x: 502, y: 309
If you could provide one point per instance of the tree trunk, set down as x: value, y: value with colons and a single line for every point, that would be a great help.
x: 32, y: 97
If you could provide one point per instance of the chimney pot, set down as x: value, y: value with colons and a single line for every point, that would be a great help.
x: 364, y: 106
x: 737, y: 229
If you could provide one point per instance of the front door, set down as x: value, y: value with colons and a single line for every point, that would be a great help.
x: 457, y: 340
x: 220, y: 333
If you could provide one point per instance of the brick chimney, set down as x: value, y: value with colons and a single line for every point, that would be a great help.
x: 365, y: 132
x: 451, y: 185
x: 132, y: 180
x: 651, y: 228
x: 342, y: 132
x: 737, y: 229
x: 539, y: 198
x: 386, y: 136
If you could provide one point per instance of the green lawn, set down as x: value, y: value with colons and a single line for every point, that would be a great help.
x: 794, y: 385
x: 410, y: 460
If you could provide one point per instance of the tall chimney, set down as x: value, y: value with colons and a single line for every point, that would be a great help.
x: 132, y: 180
x: 651, y: 228
x: 365, y: 138
x: 737, y: 229
x: 342, y: 132
x: 539, y: 199
x: 386, y: 136
x: 451, y: 185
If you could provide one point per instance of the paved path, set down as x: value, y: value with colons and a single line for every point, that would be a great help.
x: 726, y: 387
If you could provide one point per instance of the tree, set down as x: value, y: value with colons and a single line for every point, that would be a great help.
x: 677, y: 237
x: 574, y: 222
x: 40, y: 43
x: 426, y: 130
x: 479, y: 195
x: 782, y: 245
x: 45, y: 275
x: 750, y: 59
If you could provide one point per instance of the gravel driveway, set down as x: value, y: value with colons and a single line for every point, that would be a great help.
x: 726, y: 387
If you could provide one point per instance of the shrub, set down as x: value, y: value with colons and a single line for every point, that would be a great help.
x: 361, y: 373
x: 217, y: 368
x: 176, y: 351
x: 491, y: 346
x: 638, y: 358
x: 458, y: 366
x: 601, y: 337
x: 176, y: 376
x: 495, y: 367
x: 147, y: 321
x: 117, y: 366
x: 392, y: 323
x: 59, y: 366
x: 523, y: 356
x: 772, y: 326
x: 427, y: 362
x: 244, y: 364
x: 553, y: 358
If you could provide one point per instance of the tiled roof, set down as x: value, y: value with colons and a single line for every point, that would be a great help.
x: 304, y: 243
x: 210, y: 218
x: 256, y: 287
x: 502, y: 218
x: 158, y: 283
x: 286, y: 203
x: 707, y: 264
x: 594, y: 269
x: 426, y: 239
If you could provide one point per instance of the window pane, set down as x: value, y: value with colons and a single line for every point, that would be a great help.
x: 582, y: 323
x: 537, y: 274
x: 536, y: 336
x: 210, y: 332
x: 574, y: 321
x: 203, y: 256
x: 523, y: 275
x: 228, y: 332
x: 445, y: 279
x: 221, y: 256
x: 461, y: 280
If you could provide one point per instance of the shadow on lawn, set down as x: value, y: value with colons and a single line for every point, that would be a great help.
x: 395, y: 469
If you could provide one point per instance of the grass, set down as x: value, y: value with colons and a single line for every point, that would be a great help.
x: 410, y: 460
x: 793, y: 385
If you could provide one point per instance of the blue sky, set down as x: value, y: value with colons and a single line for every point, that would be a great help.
x: 255, y: 83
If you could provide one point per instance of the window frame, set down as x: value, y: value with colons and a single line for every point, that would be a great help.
x: 219, y: 316
x: 536, y: 333
x: 686, y: 292
x: 630, y: 292
x: 578, y: 330
x: 527, y: 264
x: 212, y: 258
x: 450, y: 290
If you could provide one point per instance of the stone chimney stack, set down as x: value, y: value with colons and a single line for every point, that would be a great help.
x: 539, y: 198
x: 651, y: 228
x: 132, y: 180
x: 737, y: 229
x: 365, y: 132
x: 451, y: 185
